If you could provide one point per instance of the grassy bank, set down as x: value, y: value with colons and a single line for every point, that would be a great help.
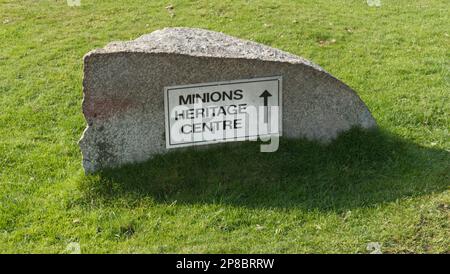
x: 390, y: 186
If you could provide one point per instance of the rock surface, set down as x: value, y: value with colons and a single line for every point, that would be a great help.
x: 123, y: 91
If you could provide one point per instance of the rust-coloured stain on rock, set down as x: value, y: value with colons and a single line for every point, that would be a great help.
x: 103, y: 108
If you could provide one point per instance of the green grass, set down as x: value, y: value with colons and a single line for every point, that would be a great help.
x: 390, y: 186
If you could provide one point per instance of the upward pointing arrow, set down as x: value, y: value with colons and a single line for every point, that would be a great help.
x: 266, y: 95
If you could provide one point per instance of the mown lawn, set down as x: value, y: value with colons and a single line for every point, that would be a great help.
x: 390, y: 186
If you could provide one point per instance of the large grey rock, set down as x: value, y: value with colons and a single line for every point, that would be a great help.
x: 124, y: 82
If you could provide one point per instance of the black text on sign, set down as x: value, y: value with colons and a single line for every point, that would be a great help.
x: 237, y: 110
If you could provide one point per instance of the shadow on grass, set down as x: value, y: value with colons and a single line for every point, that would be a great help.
x: 358, y: 169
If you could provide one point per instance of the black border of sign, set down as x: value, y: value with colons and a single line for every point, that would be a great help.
x: 278, y: 78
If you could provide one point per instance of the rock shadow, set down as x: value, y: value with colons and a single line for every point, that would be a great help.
x: 359, y: 169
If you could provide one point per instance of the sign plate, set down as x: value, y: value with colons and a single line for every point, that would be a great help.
x: 215, y: 112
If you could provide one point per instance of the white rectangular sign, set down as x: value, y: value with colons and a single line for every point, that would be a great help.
x: 236, y: 110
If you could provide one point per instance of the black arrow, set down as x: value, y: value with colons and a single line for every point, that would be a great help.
x: 266, y: 95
